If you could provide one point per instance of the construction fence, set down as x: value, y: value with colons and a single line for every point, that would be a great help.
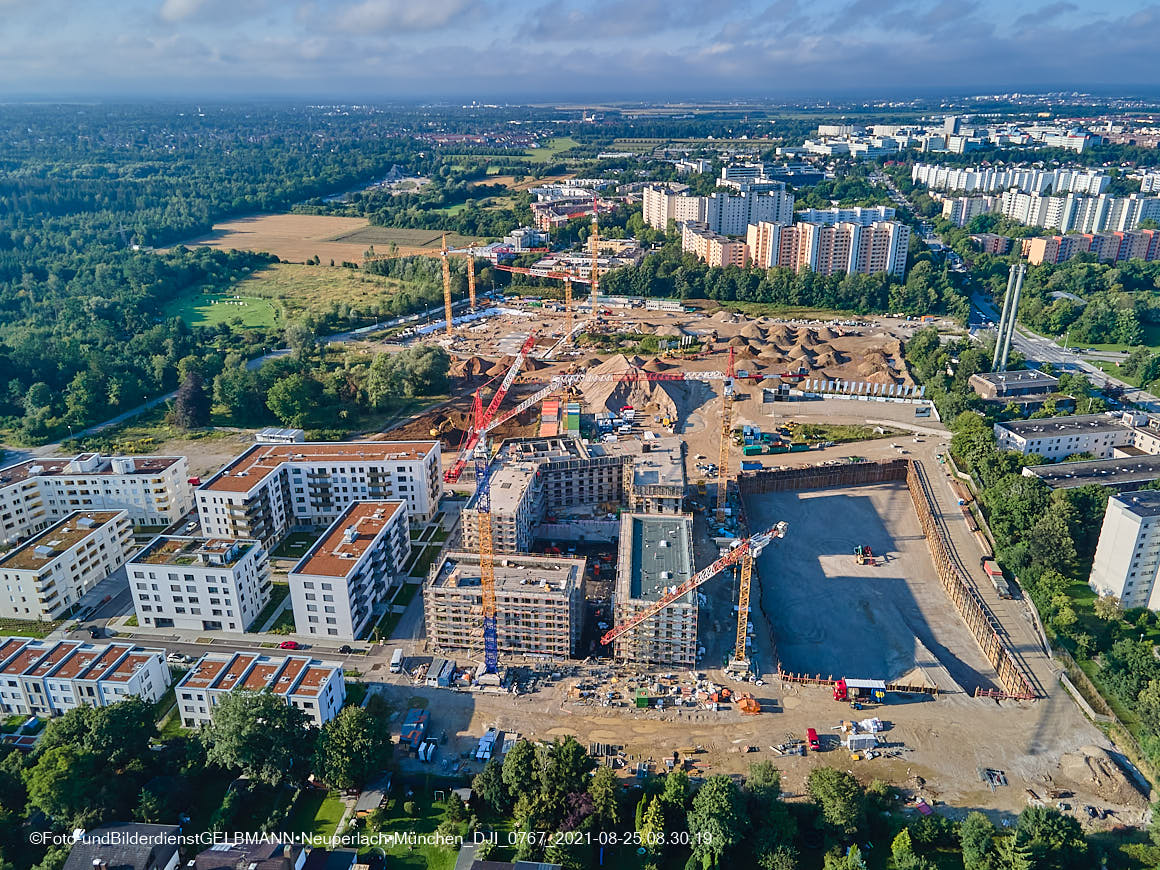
x: 821, y: 476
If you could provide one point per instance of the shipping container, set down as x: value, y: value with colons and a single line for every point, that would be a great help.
x: 753, y: 450
x: 750, y: 466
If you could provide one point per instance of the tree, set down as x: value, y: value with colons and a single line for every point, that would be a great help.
x: 261, y: 735
x: 717, y: 820
x: 1108, y: 608
x: 489, y: 786
x: 352, y: 747
x: 416, y: 371
x: 851, y: 859
x: 652, y: 826
x: 295, y: 400
x: 1055, y: 841
x: 65, y: 784
x: 300, y: 339
x: 602, y: 788
x: 839, y: 796
x: 117, y: 734
x: 519, y: 770
x: 191, y: 405
x: 977, y: 837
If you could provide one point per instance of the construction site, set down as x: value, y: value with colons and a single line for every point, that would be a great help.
x: 741, y: 584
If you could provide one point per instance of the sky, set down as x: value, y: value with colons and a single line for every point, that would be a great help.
x: 352, y: 50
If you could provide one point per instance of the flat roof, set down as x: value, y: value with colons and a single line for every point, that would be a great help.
x: 336, y: 554
x: 10, y: 646
x: 656, y: 461
x: 283, y: 675
x: 1144, y: 504
x: 56, y: 655
x: 1021, y: 376
x: 25, y: 659
x: 260, y: 675
x: 231, y: 677
x: 1081, y: 424
x: 204, y: 672
x: 1104, y: 472
x: 289, y: 675
x: 184, y: 551
x: 460, y: 569
x: 59, y: 467
x: 313, y: 679
x: 257, y: 462
x: 57, y: 538
x: 662, y: 556
x: 128, y: 666
x: 96, y: 666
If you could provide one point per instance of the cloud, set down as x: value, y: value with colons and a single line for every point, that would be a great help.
x: 178, y: 10
x: 1044, y: 14
x: 400, y: 15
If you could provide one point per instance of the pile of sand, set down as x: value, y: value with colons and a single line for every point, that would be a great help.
x: 1093, y: 768
x: 753, y: 331
x: 612, y: 395
x: 471, y: 367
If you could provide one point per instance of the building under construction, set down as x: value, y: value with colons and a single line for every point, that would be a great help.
x: 539, y: 601
x: 656, y: 554
x: 540, y: 479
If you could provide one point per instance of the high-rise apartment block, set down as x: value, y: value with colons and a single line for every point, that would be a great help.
x: 861, y: 215
x: 725, y: 213
x: 539, y: 604
x: 1111, y: 247
x: 49, y: 573
x: 200, y: 584
x: 270, y: 489
x: 842, y: 248
x: 50, y: 677
x: 153, y: 490
x: 961, y: 210
x: 338, y: 586
x: 714, y: 248
x: 1079, y: 213
x: 1127, y: 560
x: 995, y: 180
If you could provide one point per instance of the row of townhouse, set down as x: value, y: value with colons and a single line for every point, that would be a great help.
x: 47, y: 678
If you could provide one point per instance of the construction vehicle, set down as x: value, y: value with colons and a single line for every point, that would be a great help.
x: 863, y: 555
x: 747, y: 704
x: 742, y: 551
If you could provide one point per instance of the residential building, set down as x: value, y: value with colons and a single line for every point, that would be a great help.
x: 1127, y: 556
x: 861, y: 215
x: 126, y: 846
x: 997, y: 179
x: 250, y: 855
x: 1059, y: 437
x: 961, y: 210
x: 50, y: 677
x: 724, y: 213
x: 655, y: 554
x: 277, y: 435
x: 1111, y: 247
x: 1121, y: 473
x: 272, y: 489
x: 691, y: 167
x: 153, y: 490
x: 714, y: 248
x: 1150, y: 182
x: 50, y: 572
x: 524, y: 239
x: 831, y: 249
x: 539, y: 604
x: 344, y: 580
x: 1000, y: 385
x: 1077, y: 212
x: 313, y: 686
x: 200, y: 584
x: 991, y: 243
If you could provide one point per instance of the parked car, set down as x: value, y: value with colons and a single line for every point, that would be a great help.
x: 289, y: 644
x: 178, y: 659
x: 94, y: 631
x: 345, y: 649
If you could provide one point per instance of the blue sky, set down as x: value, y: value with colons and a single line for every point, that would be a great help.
x: 565, y: 49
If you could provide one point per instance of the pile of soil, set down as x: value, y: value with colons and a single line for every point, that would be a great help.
x: 1093, y: 768
x: 613, y: 395
x: 471, y: 367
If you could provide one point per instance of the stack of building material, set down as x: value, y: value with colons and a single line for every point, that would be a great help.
x: 550, y: 418
x: 572, y: 418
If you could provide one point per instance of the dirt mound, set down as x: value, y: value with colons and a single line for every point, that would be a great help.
x: 669, y: 332
x: 831, y: 358
x: 657, y: 365
x: 737, y: 341
x: 471, y: 367
x: 1094, y: 768
x: 534, y: 365
x: 825, y: 334
x: 501, y: 367
x: 780, y: 334
x: 614, y: 395
x: 753, y: 331
x: 725, y: 317
x: 801, y: 352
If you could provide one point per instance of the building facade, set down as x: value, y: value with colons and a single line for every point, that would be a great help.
x: 713, y: 248
x: 861, y: 215
x: 1079, y: 213
x: 539, y: 605
x: 831, y: 249
x: 1056, y: 438
x: 200, y: 584
x: 961, y: 210
x: 994, y: 179
x: 47, y: 678
x: 271, y: 489
x: 1110, y: 247
x: 338, y: 587
x: 1127, y: 558
x: 49, y: 573
x: 153, y: 490
x: 723, y: 213
x: 315, y: 687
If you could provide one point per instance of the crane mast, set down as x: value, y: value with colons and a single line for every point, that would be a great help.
x: 486, y: 558
x: 595, y: 270
x: 726, y: 436
x: 446, y: 286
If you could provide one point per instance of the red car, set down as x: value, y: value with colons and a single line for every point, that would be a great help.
x: 289, y: 644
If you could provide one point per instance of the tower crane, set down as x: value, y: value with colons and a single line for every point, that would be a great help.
x: 444, y: 253
x: 726, y: 436
x: 595, y: 270
x: 742, y: 551
x: 486, y: 558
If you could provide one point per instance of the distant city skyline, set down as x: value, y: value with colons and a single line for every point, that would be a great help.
x: 569, y: 49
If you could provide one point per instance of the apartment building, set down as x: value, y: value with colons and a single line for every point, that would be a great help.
x: 1079, y: 213
x: 1127, y: 559
x: 861, y: 215
x: 992, y: 243
x: 340, y: 585
x: 273, y: 488
x: 313, y: 686
x: 200, y: 584
x: 49, y: 573
x: 831, y: 249
x: 961, y: 210
x: 714, y: 248
x: 655, y: 554
x: 1056, y: 438
x: 727, y: 214
x: 1110, y: 247
x: 153, y: 490
x: 47, y: 677
x: 539, y: 605
x: 1025, y: 179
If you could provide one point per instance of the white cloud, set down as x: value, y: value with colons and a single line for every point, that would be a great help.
x: 400, y: 15
x: 177, y: 10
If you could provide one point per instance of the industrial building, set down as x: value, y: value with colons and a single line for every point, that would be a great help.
x: 1127, y: 561
x: 47, y: 677
x: 153, y: 490
x: 1002, y: 385
x: 539, y: 601
x: 1123, y: 474
x: 655, y: 554
x: 200, y: 584
x: 345, y: 578
x: 49, y: 573
x: 273, y: 488
x: 537, y: 479
x: 315, y: 687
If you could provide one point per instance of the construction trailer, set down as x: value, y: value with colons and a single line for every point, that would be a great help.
x: 850, y: 689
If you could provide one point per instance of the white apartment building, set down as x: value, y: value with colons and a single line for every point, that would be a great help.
x: 1023, y: 179
x: 1127, y: 557
x: 961, y: 210
x: 154, y: 490
x: 1078, y: 213
x: 47, y: 678
x: 1056, y: 438
x: 271, y: 489
x: 724, y: 213
x: 1150, y: 182
x: 313, y: 686
x: 49, y: 573
x: 199, y: 584
x: 862, y: 215
x: 338, y: 586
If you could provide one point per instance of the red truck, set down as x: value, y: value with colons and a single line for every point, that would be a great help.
x: 812, y: 740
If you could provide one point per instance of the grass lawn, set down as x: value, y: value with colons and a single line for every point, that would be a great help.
x: 284, y: 624
x: 1113, y: 369
x: 355, y: 694
x: 295, y: 545
x: 210, y: 309
x: 423, y: 857
x: 425, y: 561
x: 312, y: 289
x: 451, y: 209
x: 839, y: 433
x: 1150, y: 338
x: 407, y: 593
x: 386, y: 626
x: 27, y: 628
x: 316, y: 812
x: 551, y: 149
x: 278, y: 594
x: 132, y: 621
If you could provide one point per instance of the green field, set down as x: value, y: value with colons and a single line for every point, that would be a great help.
x: 404, y: 238
x: 308, y: 289
x: 1113, y: 369
x: 210, y: 309
x: 551, y: 149
x: 316, y: 812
